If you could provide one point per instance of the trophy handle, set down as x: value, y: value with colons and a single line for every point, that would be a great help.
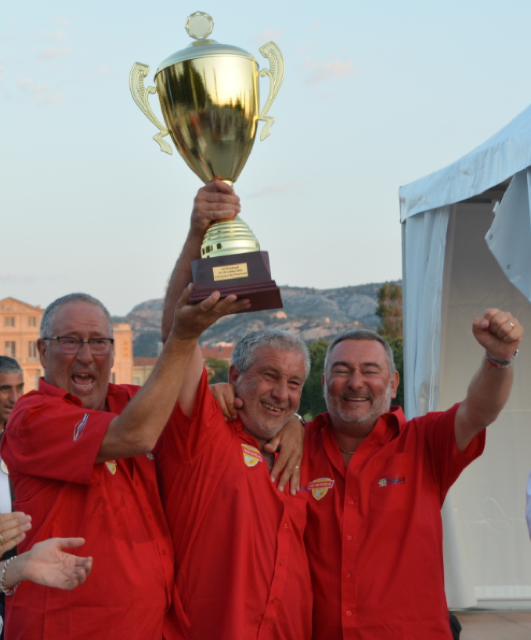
x: 276, y: 75
x: 140, y: 96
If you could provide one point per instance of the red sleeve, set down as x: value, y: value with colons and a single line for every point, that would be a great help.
x: 54, y: 438
x: 184, y: 436
x: 447, y: 462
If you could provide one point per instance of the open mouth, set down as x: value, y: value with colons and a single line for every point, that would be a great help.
x: 270, y: 407
x: 83, y: 381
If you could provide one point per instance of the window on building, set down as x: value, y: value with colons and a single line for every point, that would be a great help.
x: 11, y: 349
x: 126, y: 349
x: 9, y: 321
x: 32, y: 321
x: 32, y: 349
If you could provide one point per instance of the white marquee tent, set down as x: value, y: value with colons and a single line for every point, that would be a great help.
x: 459, y: 259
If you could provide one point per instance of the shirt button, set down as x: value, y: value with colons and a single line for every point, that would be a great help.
x: 286, y: 526
x: 351, y: 502
x: 349, y: 613
x: 348, y: 575
x: 349, y: 537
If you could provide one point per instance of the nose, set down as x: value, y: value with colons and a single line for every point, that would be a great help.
x: 84, y: 355
x: 280, y: 391
x: 355, y: 380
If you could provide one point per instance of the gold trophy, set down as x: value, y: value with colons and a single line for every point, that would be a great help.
x: 209, y: 97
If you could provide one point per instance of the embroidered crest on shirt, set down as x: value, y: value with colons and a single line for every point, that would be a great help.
x: 385, y: 482
x: 112, y: 465
x: 251, y: 455
x: 319, y: 487
x: 80, y: 427
x: 150, y: 456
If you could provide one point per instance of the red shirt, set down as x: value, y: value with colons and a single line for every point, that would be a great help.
x: 241, y: 565
x: 50, y: 446
x: 374, y: 534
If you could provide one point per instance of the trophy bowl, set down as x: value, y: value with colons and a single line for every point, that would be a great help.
x: 209, y: 98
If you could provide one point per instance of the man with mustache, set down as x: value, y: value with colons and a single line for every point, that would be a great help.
x: 378, y: 482
x: 78, y: 452
x: 241, y: 567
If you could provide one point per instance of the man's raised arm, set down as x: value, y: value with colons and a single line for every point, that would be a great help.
x: 499, y: 333
x: 215, y: 201
x: 138, y: 428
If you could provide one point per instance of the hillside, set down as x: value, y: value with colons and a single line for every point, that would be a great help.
x: 311, y: 313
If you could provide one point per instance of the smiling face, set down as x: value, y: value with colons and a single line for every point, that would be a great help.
x: 270, y: 389
x: 11, y: 389
x: 358, y: 384
x: 83, y: 375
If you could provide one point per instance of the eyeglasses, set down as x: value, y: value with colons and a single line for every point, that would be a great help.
x: 70, y: 345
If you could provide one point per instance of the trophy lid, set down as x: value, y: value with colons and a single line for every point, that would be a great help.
x: 200, y: 25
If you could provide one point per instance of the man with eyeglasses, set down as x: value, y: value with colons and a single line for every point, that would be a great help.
x: 78, y: 453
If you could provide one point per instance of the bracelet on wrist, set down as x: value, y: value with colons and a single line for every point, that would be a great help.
x: 8, y: 591
x: 301, y: 419
x: 501, y: 364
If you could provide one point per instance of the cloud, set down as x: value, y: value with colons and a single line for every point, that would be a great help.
x: 275, y: 189
x: 39, y: 91
x: 53, y: 99
x: 24, y: 82
x: 58, y: 35
x: 322, y: 71
x: 306, y: 46
x: 61, y: 21
x: 270, y: 34
x: 57, y: 52
x: 99, y: 71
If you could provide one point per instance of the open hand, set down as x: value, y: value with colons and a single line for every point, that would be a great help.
x: 190, y: 321
x: 47, y: 564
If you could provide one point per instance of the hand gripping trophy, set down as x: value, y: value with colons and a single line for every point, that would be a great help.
x: 209, y: 97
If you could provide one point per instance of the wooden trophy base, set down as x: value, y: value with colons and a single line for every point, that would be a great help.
x: 246, y: 275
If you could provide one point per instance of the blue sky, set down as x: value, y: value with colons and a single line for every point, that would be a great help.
x: 375, y: 95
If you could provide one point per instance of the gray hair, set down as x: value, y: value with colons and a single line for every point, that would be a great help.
x: 9, y: 365
x: 243, y: 354
x: 53, y: 307
x: 362, y: 334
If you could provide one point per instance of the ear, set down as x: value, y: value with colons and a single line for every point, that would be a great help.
x: 234, y: 374
x: 395, y: 379
x: 42, y: 347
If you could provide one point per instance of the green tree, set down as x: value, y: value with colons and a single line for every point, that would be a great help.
x: 389, y: 310
x: 218, y: 370
x: 312, y: 400
x: 397, y: 346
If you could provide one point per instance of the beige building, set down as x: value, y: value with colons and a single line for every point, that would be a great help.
x: 19, y: 331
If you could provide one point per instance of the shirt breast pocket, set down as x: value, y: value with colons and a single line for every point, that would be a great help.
x: 393, y: 483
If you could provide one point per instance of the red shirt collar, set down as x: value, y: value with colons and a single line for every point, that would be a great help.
x: 115, y: 393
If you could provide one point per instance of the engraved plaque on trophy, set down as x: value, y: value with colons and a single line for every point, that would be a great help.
x: 209, y: 97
